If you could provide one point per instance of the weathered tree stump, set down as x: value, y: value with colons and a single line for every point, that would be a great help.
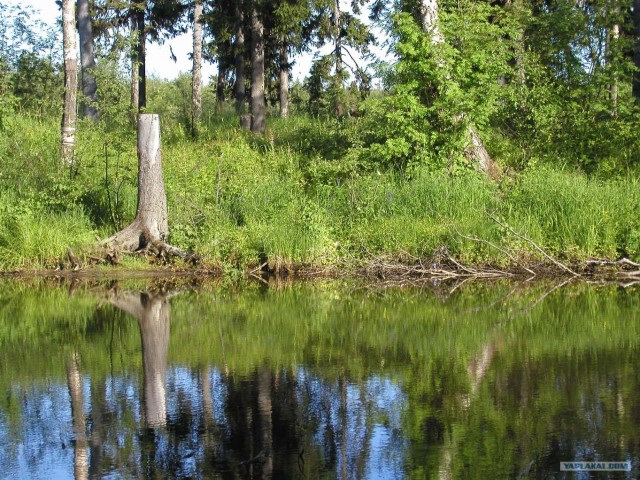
x: 152, y: 312
x: 150, y: 228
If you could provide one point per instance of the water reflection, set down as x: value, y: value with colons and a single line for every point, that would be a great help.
x: 151, y: 310
x: 312, y: 383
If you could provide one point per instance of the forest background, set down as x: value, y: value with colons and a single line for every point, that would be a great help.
x: 496, y: 126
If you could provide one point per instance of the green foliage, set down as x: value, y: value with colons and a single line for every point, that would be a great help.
x: 576, y: 216
x: 34, y: 237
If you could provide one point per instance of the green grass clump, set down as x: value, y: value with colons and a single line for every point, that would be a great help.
x: 36, y: 238
x: 574, y: 216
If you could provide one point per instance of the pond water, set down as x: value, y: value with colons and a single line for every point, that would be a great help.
x: 328, y: 379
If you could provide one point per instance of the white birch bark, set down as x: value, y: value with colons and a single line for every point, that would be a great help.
x: 197, y: 63
x: 69, y: 116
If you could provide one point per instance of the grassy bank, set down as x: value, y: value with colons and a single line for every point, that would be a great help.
x: 300, y: 196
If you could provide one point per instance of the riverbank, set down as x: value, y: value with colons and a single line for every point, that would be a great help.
x: 300, y: 201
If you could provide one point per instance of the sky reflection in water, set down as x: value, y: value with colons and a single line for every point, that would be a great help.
x: 317, y: 382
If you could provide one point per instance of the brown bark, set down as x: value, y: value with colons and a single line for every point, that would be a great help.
x: 239, y: 87
x: 152, y: 312
x: 69, y: 116
x: 284, y: 81
x: 88, y: 60
x: 197, y: 63
x: 151, y: 223
x: 258, y: 105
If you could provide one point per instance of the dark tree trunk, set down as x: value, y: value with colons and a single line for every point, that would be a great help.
x: 88, y: 60
x: 239, y: 87
x: 284, y: 81
x: 69, y: 116
x: 337, y: 20
x: 138, y: 58
x: 636, y: 50
x: 258, y: 105
x: 266, y: 421
x: 152, y: 313
x: 197, y: 64
x: 220, y: 82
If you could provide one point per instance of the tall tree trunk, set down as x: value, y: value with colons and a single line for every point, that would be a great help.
x: 239, y: 87
x: 220, y: 82
x: 337, y: 20
x: 258, y: 105
x: 88, y: 60
x: 135, y: 82
x: 69, y: 117
x: 284, y: 80
x: 614, y: 37
x: 636, y: 50
x: 475, y: 151
x: 150, y: 224
x: 197, y: 64
x: 152, y: 313
x: 80, y: 446
x: 138, y: 58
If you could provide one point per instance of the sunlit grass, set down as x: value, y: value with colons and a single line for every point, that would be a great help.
x: 296, y: 196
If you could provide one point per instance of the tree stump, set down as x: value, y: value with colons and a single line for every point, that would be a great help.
x: 150, y: 228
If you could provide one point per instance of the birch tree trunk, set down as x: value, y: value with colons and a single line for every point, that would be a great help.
x: 239, y: 87
x: 476, y: 152
x: 284, y: 80
x: 69, y: 116
x: 80, y: 445
x: 197, y: 64
x: 614, y: 37
x: 88, y: 60
x: 258, y: 105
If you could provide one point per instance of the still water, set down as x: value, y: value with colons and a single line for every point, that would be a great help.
x: 323, y: 380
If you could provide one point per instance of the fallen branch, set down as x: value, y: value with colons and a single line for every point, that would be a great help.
x: 534, y: 244
x: 617, y: 263
x: 511, y: 257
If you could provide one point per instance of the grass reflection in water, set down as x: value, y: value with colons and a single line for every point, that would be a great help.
x: 326, y: 380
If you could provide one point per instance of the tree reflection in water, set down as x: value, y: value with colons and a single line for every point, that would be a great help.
x: 382, y: 388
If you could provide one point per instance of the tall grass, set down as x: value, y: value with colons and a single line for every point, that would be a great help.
x: 296, y: 196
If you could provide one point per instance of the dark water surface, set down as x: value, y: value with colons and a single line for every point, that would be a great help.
x: 324, y: 380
